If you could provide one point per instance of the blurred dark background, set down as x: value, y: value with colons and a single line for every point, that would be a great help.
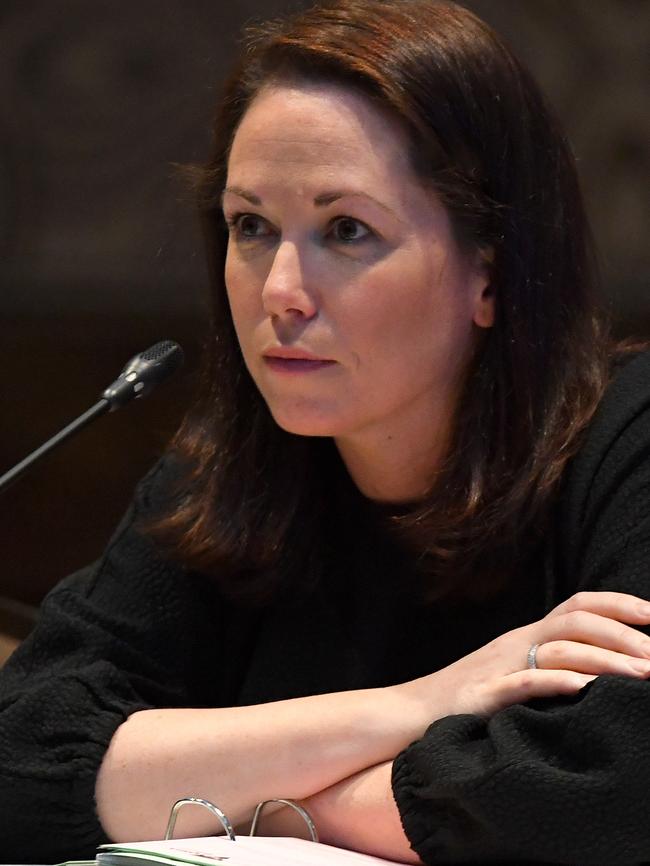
x: 100, y: 255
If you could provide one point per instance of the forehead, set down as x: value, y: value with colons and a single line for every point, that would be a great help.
x: 329, y: 127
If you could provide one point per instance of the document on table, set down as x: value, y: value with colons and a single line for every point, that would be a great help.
x: 245, y: 851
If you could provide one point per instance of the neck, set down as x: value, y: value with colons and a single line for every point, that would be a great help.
x: 393, y: 467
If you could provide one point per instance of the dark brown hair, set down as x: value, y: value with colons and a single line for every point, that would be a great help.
x: 257, y: 498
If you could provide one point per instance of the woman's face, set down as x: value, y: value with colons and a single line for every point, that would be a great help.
x: 355, y: 311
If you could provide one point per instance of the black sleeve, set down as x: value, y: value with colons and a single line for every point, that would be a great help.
x: 120, y: 636
x: 564, y: 780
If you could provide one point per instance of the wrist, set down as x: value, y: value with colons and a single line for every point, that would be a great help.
x: 422, y: 701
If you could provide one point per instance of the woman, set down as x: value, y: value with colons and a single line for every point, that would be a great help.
x: 401, y: 543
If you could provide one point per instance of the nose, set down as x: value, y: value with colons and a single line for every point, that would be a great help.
x: 285, y: 294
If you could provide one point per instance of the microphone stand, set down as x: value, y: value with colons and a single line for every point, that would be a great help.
x: 138, y: 378
x: 99, y: 408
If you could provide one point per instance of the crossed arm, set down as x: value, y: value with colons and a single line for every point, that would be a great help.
x: 334, y: 752
x: 358, y: 813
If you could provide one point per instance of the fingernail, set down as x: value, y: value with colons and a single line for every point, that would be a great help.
x: 644, y: 609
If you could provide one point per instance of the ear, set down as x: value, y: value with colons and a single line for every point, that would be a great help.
x: 483, y: 300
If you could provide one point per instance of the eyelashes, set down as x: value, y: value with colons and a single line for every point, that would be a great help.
x: 344, y: 230
x: 243, y: 225
x: 340, y: 229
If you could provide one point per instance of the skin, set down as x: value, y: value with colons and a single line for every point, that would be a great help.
x: 397, y: 314
x: 372, y: 280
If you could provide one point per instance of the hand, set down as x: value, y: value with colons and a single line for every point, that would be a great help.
x: 581, y: 638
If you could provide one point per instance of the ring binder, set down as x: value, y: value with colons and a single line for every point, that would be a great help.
x: 216, y: 811
x: 304, y: 814
x: 225, y: 822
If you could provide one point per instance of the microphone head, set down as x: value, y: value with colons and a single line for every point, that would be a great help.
x: 143, y: 372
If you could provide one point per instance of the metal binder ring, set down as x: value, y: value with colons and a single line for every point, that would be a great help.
x: 304, y: 814
x: 216, y: 811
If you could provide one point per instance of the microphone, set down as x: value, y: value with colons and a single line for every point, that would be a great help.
x: 138, y: 378
x: 143, y: 372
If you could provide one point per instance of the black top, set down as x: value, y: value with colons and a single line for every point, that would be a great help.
x: 562, y: 780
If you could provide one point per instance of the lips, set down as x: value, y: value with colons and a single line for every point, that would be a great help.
x: 287, y: 360
x: 295, y: 365
x: 293, y: 354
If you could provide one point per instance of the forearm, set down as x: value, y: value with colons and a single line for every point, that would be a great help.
x: 239, y: 756
x: 358, y: 813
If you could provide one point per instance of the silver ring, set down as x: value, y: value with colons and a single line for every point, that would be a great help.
x: 531, y: 658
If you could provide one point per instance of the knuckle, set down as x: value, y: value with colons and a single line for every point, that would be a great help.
x: 622, y: 633
x: 560, y: 650
x: 568, y: 621
x: 526, y: 680
x: 581, y: 600
x: 577, y: 619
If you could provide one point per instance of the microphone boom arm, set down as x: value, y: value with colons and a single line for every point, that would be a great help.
x: 142, y: 373
x: 99, y: 408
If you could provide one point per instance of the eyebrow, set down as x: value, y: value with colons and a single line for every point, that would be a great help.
x: 321, y: 200
x: 243, y: 193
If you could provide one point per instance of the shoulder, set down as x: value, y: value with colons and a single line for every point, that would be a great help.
x: 622, y: 418
x: 134, y: 588
x: 162, y: 485
x: 626, y: 398
x: 133, y: 564
x: 604, y: 507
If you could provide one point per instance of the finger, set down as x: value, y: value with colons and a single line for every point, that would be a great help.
x: 590, y: 628
x: 615, y: 605
x: 524, y: 685
x: 586, y: 659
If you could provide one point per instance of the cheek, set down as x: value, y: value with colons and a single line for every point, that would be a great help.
x: 415, y: 317
x: 242, y: 293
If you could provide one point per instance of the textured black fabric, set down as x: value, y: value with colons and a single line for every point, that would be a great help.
x: 564, y: 781
x: 552, y: 781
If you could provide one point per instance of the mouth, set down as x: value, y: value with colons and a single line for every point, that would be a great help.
x: 285, y: 360
x: 295, y: 365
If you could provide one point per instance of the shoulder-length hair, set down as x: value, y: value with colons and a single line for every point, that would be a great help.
x: 482, y: 135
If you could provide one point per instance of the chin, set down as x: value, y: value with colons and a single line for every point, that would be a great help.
x: 304, y: 423
x: 306, y: 428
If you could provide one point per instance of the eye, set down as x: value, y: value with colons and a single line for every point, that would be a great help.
x: 248, y: 225
x: 348, y: 230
